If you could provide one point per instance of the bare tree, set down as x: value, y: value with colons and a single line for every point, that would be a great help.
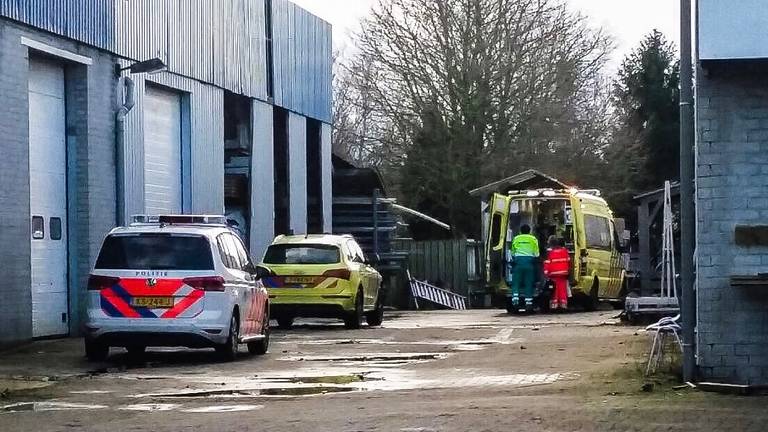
x: 507, y: 79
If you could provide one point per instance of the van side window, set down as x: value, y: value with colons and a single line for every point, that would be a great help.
x: 598, y: 232
x: 495, y: 230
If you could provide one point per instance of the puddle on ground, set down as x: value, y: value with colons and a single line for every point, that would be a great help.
x: 329, y: 379
x: 47, y: 406
x: 379, y: 359
x: 288, y: 390
x: 222, y: 409
x: 305, y: 391
x: 150, y: 407
x: 90, y: 392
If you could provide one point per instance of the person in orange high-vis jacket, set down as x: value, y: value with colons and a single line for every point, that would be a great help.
x: 556, y: 268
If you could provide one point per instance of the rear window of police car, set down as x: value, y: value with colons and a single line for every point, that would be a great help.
x: 302, y: 254
x: 155, y: 252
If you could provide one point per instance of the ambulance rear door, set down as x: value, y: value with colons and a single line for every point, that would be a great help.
x: 495, y: 257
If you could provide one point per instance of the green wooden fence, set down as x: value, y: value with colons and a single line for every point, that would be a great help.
x: 455, y: 265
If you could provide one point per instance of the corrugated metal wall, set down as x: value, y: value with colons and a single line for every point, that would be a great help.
x: 221, y: 42
x: 206, y: 113
x: 303, y: 58
x: 89, y: 21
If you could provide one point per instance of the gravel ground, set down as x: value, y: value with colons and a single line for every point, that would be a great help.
x: 422, y: 371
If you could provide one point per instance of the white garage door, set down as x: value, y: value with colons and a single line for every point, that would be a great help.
x: 162, y: 152
x: 48, y: 198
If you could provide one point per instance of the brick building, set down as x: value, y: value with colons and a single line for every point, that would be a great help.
x: 239, y: 123
x: 732, y: 192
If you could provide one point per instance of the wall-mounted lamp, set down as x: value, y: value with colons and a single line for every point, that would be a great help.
x: 151, y: 66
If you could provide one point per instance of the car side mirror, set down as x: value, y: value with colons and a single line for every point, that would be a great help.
x: 257, y: 271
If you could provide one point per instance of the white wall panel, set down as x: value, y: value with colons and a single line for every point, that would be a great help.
x: 733, y: 29
x: 327, y: 175
x: 297, y: 162
x: 262, y: 179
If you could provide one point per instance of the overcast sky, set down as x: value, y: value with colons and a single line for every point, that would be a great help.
x: 626, y: 20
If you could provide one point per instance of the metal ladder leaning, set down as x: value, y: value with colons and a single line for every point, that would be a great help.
x: 423, y: 290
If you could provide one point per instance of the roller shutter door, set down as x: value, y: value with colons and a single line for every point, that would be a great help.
x: 162, y: 152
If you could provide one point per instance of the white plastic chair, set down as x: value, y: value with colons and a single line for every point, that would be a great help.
x: 663, y: 328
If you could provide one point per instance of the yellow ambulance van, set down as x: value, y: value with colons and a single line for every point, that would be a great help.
x: 595, y: 239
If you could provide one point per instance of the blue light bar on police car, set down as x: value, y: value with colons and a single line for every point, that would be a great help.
x: 180, y: 220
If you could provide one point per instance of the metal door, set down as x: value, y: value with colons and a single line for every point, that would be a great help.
x: 48, y: 198
x: 162, y: 152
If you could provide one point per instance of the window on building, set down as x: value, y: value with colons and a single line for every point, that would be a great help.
x: 598, y: 232
x: 38, y: 227
x: 55, y: 228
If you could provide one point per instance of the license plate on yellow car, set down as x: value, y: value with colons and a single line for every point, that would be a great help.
x: 152, y: 302
x: 305, y: 280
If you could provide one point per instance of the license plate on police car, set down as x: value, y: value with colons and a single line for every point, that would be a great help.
x: 152, y: 302
x: 303, y: 280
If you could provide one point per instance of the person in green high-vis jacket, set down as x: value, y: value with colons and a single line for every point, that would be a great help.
x: 525, y: 252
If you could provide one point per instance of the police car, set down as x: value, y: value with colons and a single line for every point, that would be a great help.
x: 176, y: 281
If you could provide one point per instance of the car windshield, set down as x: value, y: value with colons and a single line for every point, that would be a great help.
x: 302, y: 254
x: 155, y: 252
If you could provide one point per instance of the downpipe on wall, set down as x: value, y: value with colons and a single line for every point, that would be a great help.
x: 127, y: 99
x: 687, y: 194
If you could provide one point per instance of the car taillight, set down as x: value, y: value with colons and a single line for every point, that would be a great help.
x: 338, y: 273
x: 208, y: 283
x: 98, y: 283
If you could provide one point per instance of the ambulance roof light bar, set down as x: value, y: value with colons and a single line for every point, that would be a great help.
x: 553, y: 192
x: 180, y: 220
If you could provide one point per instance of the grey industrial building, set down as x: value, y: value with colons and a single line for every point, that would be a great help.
x: 239, y: 123
x: 732, y: 192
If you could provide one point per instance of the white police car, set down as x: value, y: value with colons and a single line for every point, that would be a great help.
x: 176, y: 281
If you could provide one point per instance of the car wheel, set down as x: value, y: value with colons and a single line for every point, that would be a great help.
x: 593, y: 300
x: 354, y: 320
x: 95, y: 351
x: 376, y: 316
x: 285, y: 323
x: 229, y: 349
x: 262, y: 346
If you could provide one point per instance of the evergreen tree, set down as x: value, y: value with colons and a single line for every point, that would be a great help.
x: 646, y: 149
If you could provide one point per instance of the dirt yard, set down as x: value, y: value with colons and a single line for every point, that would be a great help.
x: 422, y: 371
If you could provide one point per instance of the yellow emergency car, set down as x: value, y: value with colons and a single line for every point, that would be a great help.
x: 322, y: 276
x: 595, y: 239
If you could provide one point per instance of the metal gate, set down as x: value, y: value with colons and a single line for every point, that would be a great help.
x: 162, y: 152
x: 48, y: 198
